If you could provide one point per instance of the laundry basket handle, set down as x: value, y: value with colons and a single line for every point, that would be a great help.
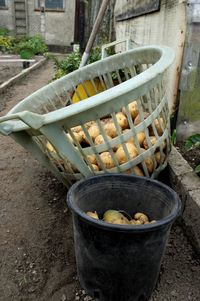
x: 30, y: 119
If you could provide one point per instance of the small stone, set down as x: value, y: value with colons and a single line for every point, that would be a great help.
x: 87, y: 298
x: 77, y: 298
x: 63, y: 298
x: 31, y: 289
x: 173, y: 293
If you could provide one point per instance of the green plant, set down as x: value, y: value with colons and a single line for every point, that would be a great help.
x: 72, y: 62
x: 6, y: 43
x: 4, y: 32
x: 32, y: 45
x: 197, y: 169
x: 173, y: 137
x: 193, y: 142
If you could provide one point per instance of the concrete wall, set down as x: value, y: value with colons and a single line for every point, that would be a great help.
x: 59, y: 25
x: 6, y: 17
x: 164, y: 27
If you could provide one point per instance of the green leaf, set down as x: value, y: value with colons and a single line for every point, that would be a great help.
x: 173, y: 137
x: 197, y: 168
x: 26, y: 54
x: 192, y: 141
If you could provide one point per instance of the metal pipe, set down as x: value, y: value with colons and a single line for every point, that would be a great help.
x: 94, y: 32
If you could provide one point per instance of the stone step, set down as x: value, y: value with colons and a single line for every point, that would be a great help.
x: 20, y: 7
x: 19, y: 1
x: 20, y: 14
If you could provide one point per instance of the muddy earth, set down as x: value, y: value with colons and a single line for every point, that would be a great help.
x: 36, y: 237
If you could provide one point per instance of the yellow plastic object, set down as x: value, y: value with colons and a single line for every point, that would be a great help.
x: 90, y: 89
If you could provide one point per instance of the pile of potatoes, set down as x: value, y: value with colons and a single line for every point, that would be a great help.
x: 122, y: 218
x: 111, y: 132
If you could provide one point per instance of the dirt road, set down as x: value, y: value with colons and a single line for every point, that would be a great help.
x: 36, y: 240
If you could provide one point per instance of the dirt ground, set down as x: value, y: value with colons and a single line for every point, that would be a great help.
x: 8, y: 70
x: 36, y: 239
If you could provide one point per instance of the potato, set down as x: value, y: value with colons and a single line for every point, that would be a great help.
x: 92, y: 159
x: 107, y: 160
x: 133, y: 108
x: 137, y: 171
x: 83, y: 137
x: 76, y: 129
x: 158, y: 157
x: 159, y: 124
x: 134, y: 222
x: 89, y: 124
x: 78, y: 137
x: 95, y: 167
x: 122, y: 120
x: 93, y: 214
x: 149, y: 163
x: 93, y: 131
x: 115, y: 217
x: 106, y: 120
x: 152, y: 139
x: 141, y: 217
x: 130, y: 139
x: 110, y: 129
x: 138, y: 119
x: 100, y: 140
x: 121, y: 156
x: 140, y: 136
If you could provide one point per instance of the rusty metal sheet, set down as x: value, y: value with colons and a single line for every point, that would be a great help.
x: 136, y: 8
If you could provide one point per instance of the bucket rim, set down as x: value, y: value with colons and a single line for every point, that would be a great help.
x: 169, y: 219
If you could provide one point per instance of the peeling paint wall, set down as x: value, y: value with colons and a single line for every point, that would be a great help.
x: 164, y: 27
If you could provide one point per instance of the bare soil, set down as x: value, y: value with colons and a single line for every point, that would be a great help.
x: 36, y: 238
x: 10, y: 69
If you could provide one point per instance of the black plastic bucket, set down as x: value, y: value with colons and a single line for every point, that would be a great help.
x: 121, y: 262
